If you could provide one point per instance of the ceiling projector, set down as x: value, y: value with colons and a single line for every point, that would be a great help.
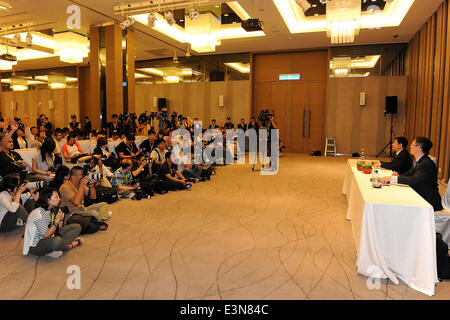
x: 251, y: 25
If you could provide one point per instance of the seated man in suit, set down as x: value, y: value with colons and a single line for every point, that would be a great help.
x: 402, y: 161
x: 423, y: 175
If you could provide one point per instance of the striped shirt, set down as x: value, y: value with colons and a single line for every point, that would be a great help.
x: 36, y: 227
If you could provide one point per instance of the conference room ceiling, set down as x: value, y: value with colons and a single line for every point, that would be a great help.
x: 151, y: 44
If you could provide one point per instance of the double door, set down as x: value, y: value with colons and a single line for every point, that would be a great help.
x: 298, y: 108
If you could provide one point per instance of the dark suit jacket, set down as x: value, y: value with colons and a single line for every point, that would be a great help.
x: 400, y: 163
x: 424, y: 180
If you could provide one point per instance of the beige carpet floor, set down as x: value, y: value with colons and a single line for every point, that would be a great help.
x: 240, y: 236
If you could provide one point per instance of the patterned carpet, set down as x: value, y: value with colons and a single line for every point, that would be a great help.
x: 240, y: 236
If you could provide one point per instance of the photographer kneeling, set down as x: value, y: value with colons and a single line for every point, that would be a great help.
x: 73, y: 192
x: 123, y: 178
x: 44, y: 232
x: 11, y: 208
x: 168, y: 173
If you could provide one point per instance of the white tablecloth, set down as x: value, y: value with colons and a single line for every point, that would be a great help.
x: 394, y: 231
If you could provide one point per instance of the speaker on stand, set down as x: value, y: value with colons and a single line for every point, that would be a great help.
x: 391, y: 108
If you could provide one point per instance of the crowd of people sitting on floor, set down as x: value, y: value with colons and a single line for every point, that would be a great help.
x: 68, y: 190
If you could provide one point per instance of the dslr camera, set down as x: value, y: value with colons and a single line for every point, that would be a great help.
x: 36, y: 184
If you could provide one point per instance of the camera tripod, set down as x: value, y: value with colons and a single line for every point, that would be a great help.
x: 263, y: 126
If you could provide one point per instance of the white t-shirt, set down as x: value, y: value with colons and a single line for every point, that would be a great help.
x: 43, y: 165
x: 7, y: 204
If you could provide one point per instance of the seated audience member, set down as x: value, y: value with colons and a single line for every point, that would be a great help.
x: 423, y: 174
x: 148, y: 145
x: 7, y: 136
x: 42, y: 121
x: 65, y: 134
x: 75, y: 189
x: 109, y: 158
x: 38, y: 139
x: 123, y: 178
x: 160, y: 135
x: 87, y: 127
x: 11, y: 198
x: 73, y: 124
x: 188, y: 169
x: 45, y: 233
x: 19, y: 139
x: 114, y: 125
x: 253, y: 124
x: 158, y: 155
x: 62, y: 175
x: 102, y: 134
x: 242, y: 125
x: 127, y: 149
x: 43, y: 162
x: 402, y: 161
x: 228, y: 124
x: 213, y: 124
x: 169, y: 173
x: 57, y: 137
x: 10, y: 161
x: 93, y: 135
x: 72, y: 151
x: 95, y: 166
x: 115, y: 136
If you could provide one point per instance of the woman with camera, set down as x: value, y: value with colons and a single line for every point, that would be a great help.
x: 45, y: 233
x: 11, y: 208
x: 43, y: 161
x: 62, y: 175
x: 109, y: 158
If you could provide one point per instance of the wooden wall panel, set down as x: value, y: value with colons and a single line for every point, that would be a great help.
x: 428, y: 100
x: 199, y: 99
x: 66, y: 102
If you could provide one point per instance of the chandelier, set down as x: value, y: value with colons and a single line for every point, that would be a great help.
x: 343, y: 20
x: 202, y: 32
x: 71, y: 46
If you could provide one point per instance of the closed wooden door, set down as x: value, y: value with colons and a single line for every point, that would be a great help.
x: 315, y: 116
x: 298, y: 117
x: 281, y: 108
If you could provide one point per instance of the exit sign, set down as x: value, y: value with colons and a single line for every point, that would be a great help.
x: 289, y: 76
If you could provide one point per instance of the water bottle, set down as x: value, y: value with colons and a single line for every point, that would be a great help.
x: 363, y: 157
x: 376, y: 183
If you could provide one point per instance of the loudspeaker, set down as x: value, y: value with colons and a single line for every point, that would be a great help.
x: 162, y: 104
x: 155, y: 102
x: 221, y: 101
x: 51, y: 104
x: 391, y: 104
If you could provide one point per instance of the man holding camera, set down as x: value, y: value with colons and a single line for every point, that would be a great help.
x: 148, y: 145
x: 171, y: 175
x: 75, y: 189
x: 10, y: 161
x: 114, y: 125
x: 123, y: 178
x: 127, y: 149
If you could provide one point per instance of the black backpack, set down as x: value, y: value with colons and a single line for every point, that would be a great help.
x: 442, y: 258
x: 105, y: 194
x: 88, y: 224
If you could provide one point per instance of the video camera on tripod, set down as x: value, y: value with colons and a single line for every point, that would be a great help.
x: 264, y: 116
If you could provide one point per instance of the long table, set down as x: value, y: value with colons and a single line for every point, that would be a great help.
x: 394, y: 231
